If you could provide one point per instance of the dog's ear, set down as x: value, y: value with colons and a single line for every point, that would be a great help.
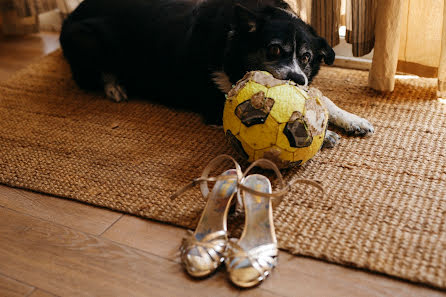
x: 326, y: 52
x: 245, y: 19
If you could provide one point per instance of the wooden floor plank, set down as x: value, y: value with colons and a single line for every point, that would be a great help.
x: 12, y: 288
x: 69, y: 213
x: 259, y: 292
x: 67, y: 262
x: 40, y: 293
x: 301, y: 276
x: 156, y: 238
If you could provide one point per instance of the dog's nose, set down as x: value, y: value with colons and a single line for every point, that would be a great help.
x: 297, y: 78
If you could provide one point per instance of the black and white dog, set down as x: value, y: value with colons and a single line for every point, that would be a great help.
x: 188, y: 53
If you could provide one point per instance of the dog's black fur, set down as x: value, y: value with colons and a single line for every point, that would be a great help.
x: 187, y: 53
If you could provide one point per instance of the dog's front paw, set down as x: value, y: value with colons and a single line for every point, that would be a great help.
x: 113, y: 89
x: 331, y: 139
x: 115, y: 92
x: 357, y: 126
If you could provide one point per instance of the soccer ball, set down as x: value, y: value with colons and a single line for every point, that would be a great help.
x: 274, y: 119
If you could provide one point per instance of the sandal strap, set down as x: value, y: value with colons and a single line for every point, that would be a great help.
x: 276, y: 196
x: 208, y: 241
x: 262, y: 258
x: 204, y: 179
x: 212, y: 245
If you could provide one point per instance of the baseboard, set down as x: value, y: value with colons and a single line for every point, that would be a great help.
x: 352, y: 63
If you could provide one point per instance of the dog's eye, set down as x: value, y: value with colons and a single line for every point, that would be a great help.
x: 305, y: 58
x: 274, y: 51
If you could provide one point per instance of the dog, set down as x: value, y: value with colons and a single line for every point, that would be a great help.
x: 188, y: 53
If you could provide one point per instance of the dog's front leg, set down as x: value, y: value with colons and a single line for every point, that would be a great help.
x: 349, y: 122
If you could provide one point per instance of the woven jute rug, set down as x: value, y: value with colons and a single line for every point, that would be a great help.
x: 385, y: 203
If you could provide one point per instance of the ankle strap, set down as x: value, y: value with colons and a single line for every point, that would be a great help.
x: 276, y: 196
x: 204, y: 178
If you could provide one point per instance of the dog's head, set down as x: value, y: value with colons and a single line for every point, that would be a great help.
x: 274, y: 39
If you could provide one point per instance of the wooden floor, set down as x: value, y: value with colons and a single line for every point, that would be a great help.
x: 57, y: 247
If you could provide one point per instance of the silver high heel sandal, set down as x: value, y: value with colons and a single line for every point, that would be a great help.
x: 252, y: 258
x: 202, y: 251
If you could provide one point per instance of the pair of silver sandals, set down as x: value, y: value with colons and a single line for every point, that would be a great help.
x: 252, y: 257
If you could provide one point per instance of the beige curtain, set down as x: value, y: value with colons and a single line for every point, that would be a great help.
x: 18, y: 17
x: 360, y: 22
x: 421, y: 24
x: 326, y: 19
x: 302, y: 8
x: 326, y: 16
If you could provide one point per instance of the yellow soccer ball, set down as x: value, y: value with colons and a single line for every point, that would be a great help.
x: 269, y: 118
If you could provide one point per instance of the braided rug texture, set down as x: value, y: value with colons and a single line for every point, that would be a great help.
x: 385, y: 203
